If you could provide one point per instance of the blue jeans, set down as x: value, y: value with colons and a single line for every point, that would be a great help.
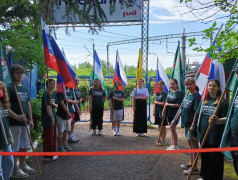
x: 7, y: 164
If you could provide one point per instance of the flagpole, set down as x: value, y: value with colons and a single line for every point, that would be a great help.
x: 206, y: 134
x: 91, y: 109
x: 156, y: 85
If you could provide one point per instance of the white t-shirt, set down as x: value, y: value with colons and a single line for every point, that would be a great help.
x: 140, y: 92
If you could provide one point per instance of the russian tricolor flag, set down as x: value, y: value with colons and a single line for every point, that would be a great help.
x: 161, y: 75
x: 119, y: 74
x: 55, y: 59
x: 60, y: 84
x: 210, y: 69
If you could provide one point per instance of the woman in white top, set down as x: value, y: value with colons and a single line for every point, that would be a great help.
x: 140, y: 95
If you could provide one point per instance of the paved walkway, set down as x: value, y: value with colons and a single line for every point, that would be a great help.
x: 154, y: 166
x: 118, y: 167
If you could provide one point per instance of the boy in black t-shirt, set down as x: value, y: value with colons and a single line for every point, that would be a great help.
x: 64, y: 115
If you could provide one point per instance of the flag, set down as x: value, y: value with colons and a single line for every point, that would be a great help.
x: 60, y: 84
x: 139, y: 73
x: 232, y: 86
x: 119, y: 74
x: 5, y: 75
x: 55, y: 59
x: 177, y: 72
x: 97, y: 71
x: 210, y: 69
x: 161, y: 75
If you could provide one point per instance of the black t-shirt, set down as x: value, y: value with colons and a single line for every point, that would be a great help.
x: 118, y: 105
x: 24, y: 98
x: 216, y: 131
x: 60, y: 112
x: 70, y: 96
x: 173, y: 98
x: 4, y: 133
x: 160, y: 97
x: 190, y: 105
x: 98, y: 98
x: 45, y: 119
x: 78, y: 95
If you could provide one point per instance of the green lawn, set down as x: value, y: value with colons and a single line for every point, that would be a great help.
x: 229, y: 172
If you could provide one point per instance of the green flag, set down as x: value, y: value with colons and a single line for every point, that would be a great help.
x: 232, y: 85
x: 97, y: 71
x: 4, y: 71
x: 177, y: 72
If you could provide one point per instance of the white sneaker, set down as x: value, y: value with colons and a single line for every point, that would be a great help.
x: 187, y: 172
x: 118, y: 133
x: 27, y: 169
x: 49, y: 159
x: 100, y: 132
x: 114, y: 133
x: 94, y: 132
x: 170, y: 147
x: 175, y: 148
x: 19, y: 174
x: 137, y: 134
x: 200, y: 179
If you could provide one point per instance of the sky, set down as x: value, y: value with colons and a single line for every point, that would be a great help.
x: 165, y: 17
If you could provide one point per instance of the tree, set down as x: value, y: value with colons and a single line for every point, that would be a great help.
x: 227, y: 43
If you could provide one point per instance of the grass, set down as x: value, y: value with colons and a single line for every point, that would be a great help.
x: 229, y: 172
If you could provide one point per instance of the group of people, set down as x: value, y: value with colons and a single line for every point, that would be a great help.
x: 196, y: 117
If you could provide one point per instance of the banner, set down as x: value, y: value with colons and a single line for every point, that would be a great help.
x: 131, y: 13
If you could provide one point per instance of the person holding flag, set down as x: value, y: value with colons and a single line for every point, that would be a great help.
x: 117, y: 96
x: 97, y: 97
x: 116, y: 103
x: 48, y: 119
x: 63, y: 114
x: 230, y: 135
x: 234, y: 127
x: 160, y: 100
x: 212, y: 165
x: 6, y: 162
x: 161, y: 91
x: 76, y: 114
x: 17, y: 121
x: 174, y: 100
x: 187, y: 112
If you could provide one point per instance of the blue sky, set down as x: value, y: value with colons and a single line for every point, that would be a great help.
x: 166, y: 17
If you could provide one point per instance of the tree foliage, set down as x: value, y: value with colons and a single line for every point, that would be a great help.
x: 226, y: 44
x: 22, y: 29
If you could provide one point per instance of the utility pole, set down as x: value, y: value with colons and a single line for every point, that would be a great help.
x: 107, y: 60
x: 93, y: 61
x: 183, y: 47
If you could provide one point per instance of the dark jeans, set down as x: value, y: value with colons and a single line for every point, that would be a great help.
x: 234, y: 143
x: 97, y: 118
x: 212, y: 166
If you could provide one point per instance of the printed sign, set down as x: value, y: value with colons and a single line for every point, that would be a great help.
x: 133, y: 13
